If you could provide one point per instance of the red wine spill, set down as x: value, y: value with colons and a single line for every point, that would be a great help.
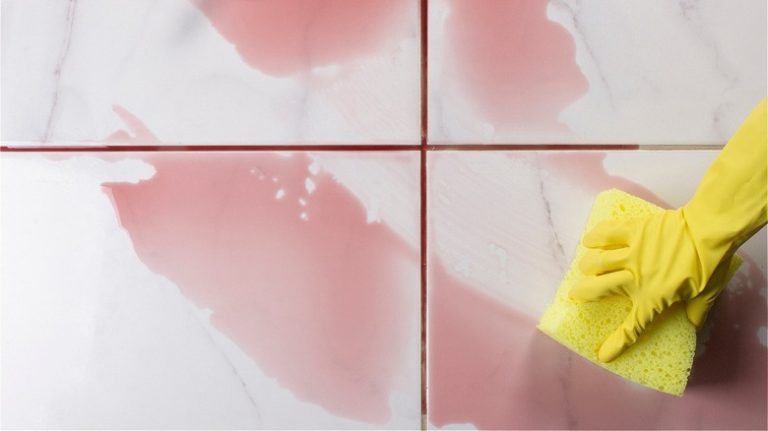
x: 488, y: 365
x: 516, y: 66
x: 290, y: 36
x: 283, y: 257
x: 292, y: 273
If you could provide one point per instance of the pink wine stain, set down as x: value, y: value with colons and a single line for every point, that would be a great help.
x: 586, y: 169
x: 490, y: 367
x: 289, y: 36
x: 517, y: 67
x: 312, y: 293
x: 285, y: 261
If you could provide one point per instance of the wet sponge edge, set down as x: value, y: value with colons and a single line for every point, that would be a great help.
x: 662, y: 357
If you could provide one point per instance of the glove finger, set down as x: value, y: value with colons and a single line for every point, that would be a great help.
x: 597, y: 287
x: 698, y: 307
x: 627, y: 334
x: 597, y: 261
x: 607, y: 234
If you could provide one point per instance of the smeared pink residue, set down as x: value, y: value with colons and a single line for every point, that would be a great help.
x: 490, y: 367
x: 289, y: 36
x: 586, y: 169
x: 311, y: 291
x: 517, y: 66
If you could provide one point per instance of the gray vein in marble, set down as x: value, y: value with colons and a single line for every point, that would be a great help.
x: 690, y: 11
x: 237, y: 375
x: 565, y: 384
x: 687, y: 7
x: 229, y: 363
x: 579, y: 29
x: 435, y: 105
x: 302, y: 113
x: 558, y: 252
x: 59, y: 67
x: 717, y: 115
x: 503, y: 360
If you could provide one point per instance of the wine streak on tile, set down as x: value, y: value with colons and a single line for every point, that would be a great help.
x: 290, y: 36
x: 515, y: 65
x: 312, y: 293
x: 286, y: 263
x: 490, y: 367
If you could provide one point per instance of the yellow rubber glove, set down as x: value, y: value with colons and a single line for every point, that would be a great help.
x: 681, y: 254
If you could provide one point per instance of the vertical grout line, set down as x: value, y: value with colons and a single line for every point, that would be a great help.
x: 423, y: 228
x: 424, y: 15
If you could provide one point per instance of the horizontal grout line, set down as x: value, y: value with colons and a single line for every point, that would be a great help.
x: 530, y: 147
x: 206, y: 148
x: 667, y: 147
x: 572, y: 147
x: 353, y: 148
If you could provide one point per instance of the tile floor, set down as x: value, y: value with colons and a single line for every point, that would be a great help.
x: 275, y: 214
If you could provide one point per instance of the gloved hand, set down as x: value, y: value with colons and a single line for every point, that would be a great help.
x: 682, y: 254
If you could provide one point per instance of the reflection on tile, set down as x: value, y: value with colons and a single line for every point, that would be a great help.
x: 210, y: 290
x: 212, y: 71
x: 503, y: 227
x: 568, y: 71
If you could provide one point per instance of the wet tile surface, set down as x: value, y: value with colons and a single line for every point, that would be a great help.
x: 197, y: 279
x: 211, y: 290
x: 503, y: 229
x: 624, y: 72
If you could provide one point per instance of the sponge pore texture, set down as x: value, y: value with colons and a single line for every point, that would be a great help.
x: 663, y: 355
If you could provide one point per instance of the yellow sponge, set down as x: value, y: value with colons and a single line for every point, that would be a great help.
x: 662, y: 357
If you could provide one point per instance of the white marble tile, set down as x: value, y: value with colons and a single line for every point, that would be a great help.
x: 100, y: 330
x: 67, y: 64
x: 615, y: 72
x: 503, y: 227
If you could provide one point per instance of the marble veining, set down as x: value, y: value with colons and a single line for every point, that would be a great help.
x: 128, y: 336
x: 282, y: 290
x: 174, y: 66
x: 659, y: 73
x: 490, y: 368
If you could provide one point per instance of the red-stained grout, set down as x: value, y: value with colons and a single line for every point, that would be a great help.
x: 424, y: 19
x: 531, y: 147
x: 423, y: 146
x: 205, y: 148
x: 423, y: 278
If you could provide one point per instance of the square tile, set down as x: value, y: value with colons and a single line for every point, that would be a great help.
x: 594, y: 72
x: 212, y: 71
x: 503, y: 227
x: 210, y: 290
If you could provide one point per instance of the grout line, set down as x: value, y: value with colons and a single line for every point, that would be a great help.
x: 207, y: 148
x: 423, y: 279
x: 423, y: 146
x: 533, y: 147
x: 424, y: 19
x: 668, y: 147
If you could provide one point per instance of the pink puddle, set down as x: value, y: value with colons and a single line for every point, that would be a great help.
x: 289, y: 36
x: 312, y: 292
x: 489, y: 366
x: 517, y: 67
